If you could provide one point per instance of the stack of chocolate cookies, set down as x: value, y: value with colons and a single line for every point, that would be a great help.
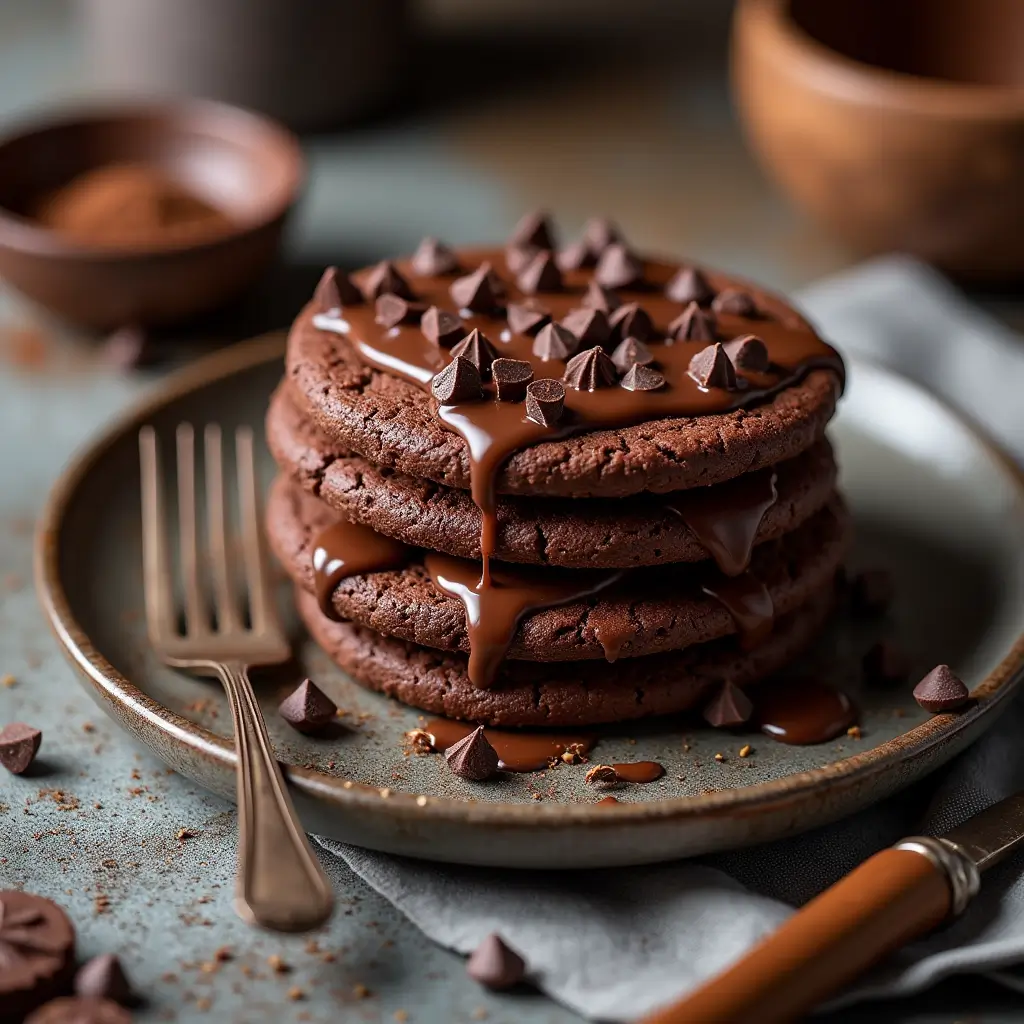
x: 549, y: 486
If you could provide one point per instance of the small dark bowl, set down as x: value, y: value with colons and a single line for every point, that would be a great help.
x: 244, y: 165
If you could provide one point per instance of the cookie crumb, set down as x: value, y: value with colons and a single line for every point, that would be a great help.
x: 277, y: 965
x: 360, y: 991
x: 401, y: 1016
x: 222, y: 953
x: 420, y: 741
x: 601, y: 773
x: 7, y: 681
x: 185, y: 833
x: 719, y: 758
x: 296, y: 994
x: 854, y: 732
x: 746, y: 750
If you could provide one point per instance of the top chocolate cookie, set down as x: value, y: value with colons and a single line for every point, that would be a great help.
x: 584, y: 372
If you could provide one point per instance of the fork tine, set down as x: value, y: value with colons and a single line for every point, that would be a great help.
x: 227, y: 611
x: 261, y: 607
x: 156, y: 571
x: 196, y: 622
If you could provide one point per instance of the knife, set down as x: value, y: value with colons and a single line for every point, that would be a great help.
x: 895, y: 896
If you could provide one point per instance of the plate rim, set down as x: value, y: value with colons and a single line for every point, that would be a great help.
x: 109, y: 686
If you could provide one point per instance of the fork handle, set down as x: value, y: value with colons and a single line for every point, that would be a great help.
x: 280, y: 884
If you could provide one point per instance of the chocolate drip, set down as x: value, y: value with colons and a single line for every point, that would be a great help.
x: 517, y: 751
x: 350, y: 549
x: 725, y: 518
x: 747, y: 600
x: 495, y: 604
x: 612, y: 631
x: 639, y: 771
x: 802, y: 711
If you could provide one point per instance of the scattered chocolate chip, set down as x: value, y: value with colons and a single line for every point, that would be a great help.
x: 385, y: 278
x: 885, y: 663
x: 441, y: 327
x: 481, y: 291
x: 642, y: 378
x: 590, y: 370
x: 473, y: 757
x: 433, y: 258
x: 334, y: 291
x: 599, y: 234
x: 128, y: 348
x: 590, y: 326
x: 693, y: 324
x: 79, y: 1010
x: 575, y: 257
x: 555, y: 342
x: 19, y: 744
x: 511, y: 376
x: 871, y: 592
x: 307, y: 708
x: 517, y: 258
x: 688, y: 284
x: 631, y: 321
x: 545, y: 401
x: 392, y: 310
x: 748, y: 352
x: 941, y: 690
x: 712, y: 368
x: 602, y: 773
x: 541, y: 274
x: 526, y: 317
x: 729, y: 707
x: 630, y: 352
x: 734, y: 301
x: 103, y: 977
x: 617, y: 267
x: 599, y: 297
x: 533, y: 230
x: 459, y: 381
x: 494, y: 965
x: 479, y: 351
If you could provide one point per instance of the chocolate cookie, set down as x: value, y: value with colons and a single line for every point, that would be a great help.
x: 577, y: 533
x: 648, y: 610
x: 567, y: 694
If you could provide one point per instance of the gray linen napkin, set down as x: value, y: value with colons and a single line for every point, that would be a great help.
x: 653, y: 933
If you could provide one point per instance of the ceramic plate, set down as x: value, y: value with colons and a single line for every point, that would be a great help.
x: 932, y: 499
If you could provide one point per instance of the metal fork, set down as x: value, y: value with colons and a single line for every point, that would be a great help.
x: 280, y: 885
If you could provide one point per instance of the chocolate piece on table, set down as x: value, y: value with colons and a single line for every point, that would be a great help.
x: 518, y: 257
x: 575, y: 257
x: 480, y: 291
x: 80, y: 1010
x: 534, y: 230
x: 631, y: 351
x: 748, y: 352
x: 459, y: 381
x: 693, y: 324
x: 631, y: 321
x: 392, y: 310
x: 541, y: 274
x: 478, y: 350
x: 602, y: 773
x: 688, y: 284
x: 590, y: 326
x: 941, y: 690
x: 600, y: 233
x: 871, y: 592
x: 103, y: 977
x: 729, y: 707
x: 473, y: 757
x: 545, y: 401
x: 494, y: 965
x: 590, y: 370
x: 307, y: 708
x: 385, y: 278
x: 712, y: 368
x: 734, y: 301
x: 19, y: 744
x: 511, y: 376
x: 642, y: 378
x: 433, y: 258
x: 554, y: 341
x: 128, y: 348
x: 885, y: 663
x: 599, y: 297
x: 526, y: 317
x: 617, y: 267
x: 441, y: 327
x: 334, y: 291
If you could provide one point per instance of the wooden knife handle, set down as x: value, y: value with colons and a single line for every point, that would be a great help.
x: 890, y: 899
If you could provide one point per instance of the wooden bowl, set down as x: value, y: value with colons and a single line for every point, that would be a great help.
x: 899, y: 124
x: 240, y: 163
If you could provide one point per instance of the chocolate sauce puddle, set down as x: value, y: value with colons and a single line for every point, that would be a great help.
x: 517, y: 751
x: 747, y: 600
x: 802, y: 711
x: 640, y: 771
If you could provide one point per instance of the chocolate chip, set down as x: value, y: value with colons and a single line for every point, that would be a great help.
x: 590, y: 326
x: 748, y: 352
x: 599, y: 234
x: 526, y: 317
x: 545, y: 401
x: 433, y: 258
x: 617, y: 267
x: 385, y: 278
x: 729, y: 707
x: 642, y: 378
x: 334, y: 291
x: 510, y: 378
x: 885, y: 663
x: 575, y: 257
x: 103, y: 977
x: 711, y: 368
x: 459, y: 381
x: 555, y: 342
x: 517, y: 258
x: 307, y: 708
x: 688, y: 284
x: 473, y: 757
x: 441, y: 327
x: 631, y: 321
x: 590, y: 370
x: 19, y: 744
x: 479, y: 351
x: 494, y: 965
x: 481, y: 291
x: 533, y: 230
x: 734, y: 301
x: 629, y: 352
x: 599, y: 297
x: 541, y: 274
x: 128, y: 348
x: 871, y: 592
x: 941, y: 690
x: 693, y: 324
x: 392, y: 310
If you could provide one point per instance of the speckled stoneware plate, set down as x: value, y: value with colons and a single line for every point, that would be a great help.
x: 933, y: 501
